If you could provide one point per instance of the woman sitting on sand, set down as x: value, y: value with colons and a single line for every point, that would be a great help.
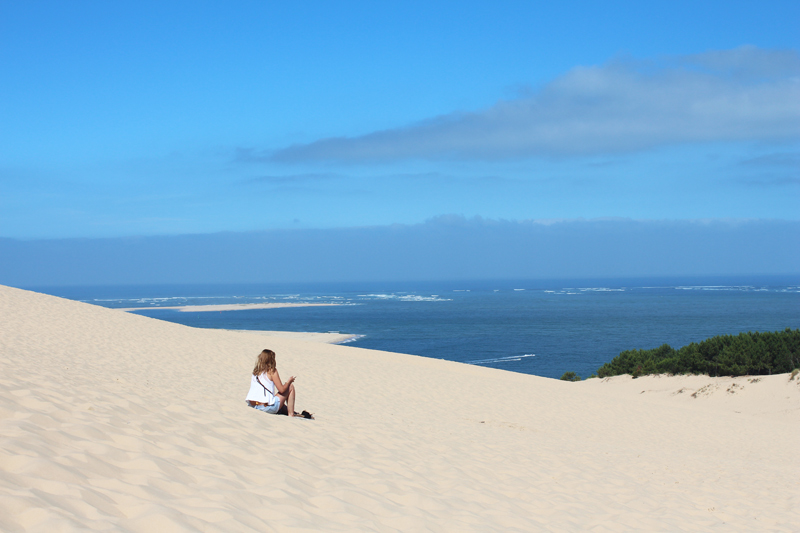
x: 267, y: 392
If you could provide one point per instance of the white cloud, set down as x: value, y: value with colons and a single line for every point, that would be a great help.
x: 732, y: 95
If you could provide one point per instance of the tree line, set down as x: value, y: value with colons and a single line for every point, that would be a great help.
x: 751, y: 353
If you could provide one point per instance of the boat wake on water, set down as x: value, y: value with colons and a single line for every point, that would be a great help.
x: 509, y: 359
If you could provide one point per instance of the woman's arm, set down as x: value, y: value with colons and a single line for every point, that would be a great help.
x: 282, y: 388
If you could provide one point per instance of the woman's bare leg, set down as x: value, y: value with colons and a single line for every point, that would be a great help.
x: 290, y: 400
x: 282, y: 407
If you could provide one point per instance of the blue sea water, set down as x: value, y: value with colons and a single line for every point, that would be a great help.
x: 535, y: 327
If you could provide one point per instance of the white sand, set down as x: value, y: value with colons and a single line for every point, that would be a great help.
x: 221, y: 307
x: 117, y: 422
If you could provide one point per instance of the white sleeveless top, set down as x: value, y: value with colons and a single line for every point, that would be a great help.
x: 265, y: 394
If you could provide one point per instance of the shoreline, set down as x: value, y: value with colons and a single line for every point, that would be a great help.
x: 220, y: 307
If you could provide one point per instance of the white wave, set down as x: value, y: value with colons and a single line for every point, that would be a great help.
x: 718, y: 288
x: 508, y: 359
x: 744, y: 288
x: 140, y: 300
x: 353, y: 338
x: 565, y: 291
x: 406, y: 297
x: 424, y: 299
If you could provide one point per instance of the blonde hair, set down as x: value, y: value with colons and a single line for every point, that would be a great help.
x: 264, y: 363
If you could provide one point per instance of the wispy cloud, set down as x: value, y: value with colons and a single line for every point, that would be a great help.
x: 741, y: 94
x: 783, y: 160
x: 447, y: 178
x: 769, y: 171
x: 290, y: 179
x: 250, y: 155
x: 409, y: 177
x: 770, y: 181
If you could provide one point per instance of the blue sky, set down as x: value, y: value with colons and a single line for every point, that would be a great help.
x: 167, y: 118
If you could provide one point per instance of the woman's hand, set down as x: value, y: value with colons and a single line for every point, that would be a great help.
x: 282, y: 387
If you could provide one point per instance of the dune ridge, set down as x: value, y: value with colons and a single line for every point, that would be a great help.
x: 116, y: 422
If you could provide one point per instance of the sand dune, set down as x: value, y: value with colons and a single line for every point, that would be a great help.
x: 117, y: 422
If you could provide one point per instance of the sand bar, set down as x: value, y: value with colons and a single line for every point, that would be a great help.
x: 118, y: 422
x: 330, y: 337
x: 223, y: 307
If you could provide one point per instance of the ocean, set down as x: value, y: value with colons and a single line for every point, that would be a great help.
x: 540, y: 327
